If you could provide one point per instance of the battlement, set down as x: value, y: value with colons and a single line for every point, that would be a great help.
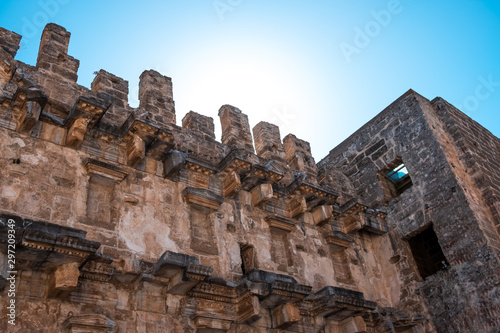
x: 56, y: 71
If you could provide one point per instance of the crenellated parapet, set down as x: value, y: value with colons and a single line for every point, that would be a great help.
x: 156, y: 224
x: 281, y: 179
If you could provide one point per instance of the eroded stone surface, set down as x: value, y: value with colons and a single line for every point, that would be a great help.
x: 126, y: 222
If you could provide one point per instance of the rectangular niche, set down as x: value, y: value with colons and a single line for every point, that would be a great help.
x: 202, y: 230
x: 99, y: 202
x: 341, y: 267
x: 280, y: 250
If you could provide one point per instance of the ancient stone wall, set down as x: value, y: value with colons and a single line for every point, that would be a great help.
x: 410, y: 131
x: 125, y: 221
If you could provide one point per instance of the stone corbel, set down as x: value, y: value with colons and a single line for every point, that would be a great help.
x: 199, y: 171
x: 373, y: 222
x: 127, y: 269
x: 156, y: 141
x: 173, y: 163
x: 322, y: 214
x: 261, y: 194
x: 89, y: 108
x: 296, y: 206
x: 84, y: 115
x: 258, y: 175
x: 63, y: 280
x: 349, y: 215
x: 248, y: 308
x: 76, y: 133
x: 47, y: 246
x: 275, y: 289
x: 314, y: 195
x: 27, y: 104
x: 285, y: 315
x: 231, y: 184
x: 235, y: 161
x: 338, y: 241
x: 136, y: 150
x: 99, y: 268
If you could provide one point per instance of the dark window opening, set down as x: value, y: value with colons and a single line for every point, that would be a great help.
x: 398, y: 180
x: 427, y: 253
x: 247, y: 253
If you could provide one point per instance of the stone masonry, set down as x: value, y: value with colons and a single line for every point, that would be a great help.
x: 116, y: 219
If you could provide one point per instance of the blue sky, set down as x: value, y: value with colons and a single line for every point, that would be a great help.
x: 318, y: 69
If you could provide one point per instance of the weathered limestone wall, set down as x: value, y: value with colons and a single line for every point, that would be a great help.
x: 127, y: 222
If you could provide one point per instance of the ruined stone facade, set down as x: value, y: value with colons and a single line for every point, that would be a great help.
x: 122, y: 221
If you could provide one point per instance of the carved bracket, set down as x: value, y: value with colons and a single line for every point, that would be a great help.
x: 202, y: 197
x: 27, y: 104
x: 156, y: 141
x: 285, y: 315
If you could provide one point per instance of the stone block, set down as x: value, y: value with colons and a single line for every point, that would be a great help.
x: 63, y: 280
x: 199, y: 123
x: 136, y: 150
x: 348, y: 325
x: 268, y: 142
x: 262, y: 193
x: 211, y: 325
x: 76, y: 133
x: 235, y: 128
x: 9, y: 41
x: 299, y: 157
x: 231, y: 184
x: 156, y: 99
x: 322, y: 214
x: 53, y: 53
x: 296, y: 206
x: 202, y: 197
x: 285, y: 315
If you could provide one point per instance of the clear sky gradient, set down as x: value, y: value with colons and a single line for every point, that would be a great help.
x: 318, y: 69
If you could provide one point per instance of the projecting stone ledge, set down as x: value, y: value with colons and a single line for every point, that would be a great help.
x: 49, y: 247
x: 202, y: 197
x: 339, y: 303
x: 183, y: 271
x: 275, y: 289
